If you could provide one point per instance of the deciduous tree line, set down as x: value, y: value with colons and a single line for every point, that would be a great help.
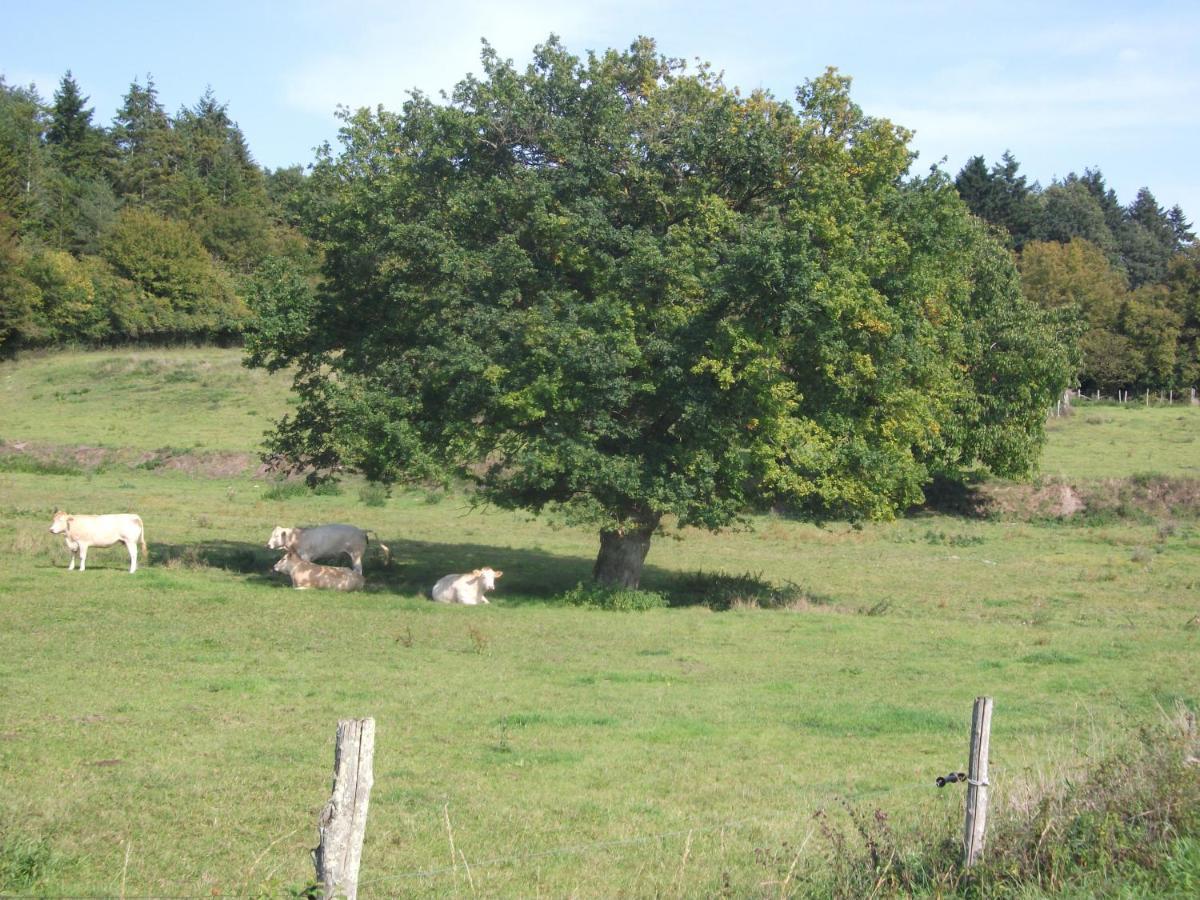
x: 144, y: 229
x: 1130, y: 275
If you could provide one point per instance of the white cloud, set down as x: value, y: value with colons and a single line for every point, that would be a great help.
x: 384, y: 50
x: 1105, y: 39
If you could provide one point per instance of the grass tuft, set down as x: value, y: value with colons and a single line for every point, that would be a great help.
x: 26, y: 861
x: 596, y: 596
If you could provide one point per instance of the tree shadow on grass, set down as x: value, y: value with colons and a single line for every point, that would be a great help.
x: 961, y: 498
x: 253, y: 560
x: 530, y: 576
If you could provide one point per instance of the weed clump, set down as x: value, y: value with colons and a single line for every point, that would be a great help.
x: 25, y: 861
x: 1128, y: 824
x: 598, y: 596
x: 22, y: 464
x: 285, y: 490
x: 373, y: 494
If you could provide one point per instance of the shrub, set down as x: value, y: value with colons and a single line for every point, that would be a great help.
x: 621, y: 599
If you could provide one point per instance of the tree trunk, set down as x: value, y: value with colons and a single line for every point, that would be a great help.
x: 622, y: 555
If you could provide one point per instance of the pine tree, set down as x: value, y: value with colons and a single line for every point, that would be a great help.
x: 147, y: 153
x: 1148, y: 241
x: 76, y: 143
x: 1184, y: 235
x: 1001, y: 196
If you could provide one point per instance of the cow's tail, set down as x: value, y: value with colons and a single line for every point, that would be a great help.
x: 142, y: 538
x: 387, y: 553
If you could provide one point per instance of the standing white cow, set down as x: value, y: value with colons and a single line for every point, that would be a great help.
x: 82, y: 532
x: 466, y: 589
x: 324, y: 541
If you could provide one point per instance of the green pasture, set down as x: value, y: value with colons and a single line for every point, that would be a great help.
x: 170, y: 732
x: 199, y: 398
x: 1117, y: 440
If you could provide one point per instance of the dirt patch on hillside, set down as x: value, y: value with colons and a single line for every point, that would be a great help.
x: 1056, y: 500
x: 57, y: 459
x: 1142, y: 496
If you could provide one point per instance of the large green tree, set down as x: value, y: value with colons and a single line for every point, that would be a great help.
x: 626, y: 292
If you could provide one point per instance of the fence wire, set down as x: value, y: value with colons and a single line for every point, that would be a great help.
x: 828, y: 795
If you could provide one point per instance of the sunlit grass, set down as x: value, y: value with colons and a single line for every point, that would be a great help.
x: 170, y: 732
x: 1119, y: 440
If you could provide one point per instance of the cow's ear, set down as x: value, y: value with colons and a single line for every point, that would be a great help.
x: 476, y: 573
x: 497, y: 573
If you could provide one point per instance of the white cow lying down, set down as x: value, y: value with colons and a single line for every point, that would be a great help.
x: 310, y: 575
x: 467, y: 589
x: 324, y: 541
x: 82, y: 532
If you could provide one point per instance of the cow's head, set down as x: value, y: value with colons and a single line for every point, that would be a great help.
x: 286, y: 563
x: 488, y: 577
x: 60, y: 523
x: 280, y: 538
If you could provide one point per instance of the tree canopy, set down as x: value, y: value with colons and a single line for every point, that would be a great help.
x: 1116, y: 269
x: 138, y: 231
x: 625, y: 292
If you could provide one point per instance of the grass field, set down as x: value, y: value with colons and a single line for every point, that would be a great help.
x: 170, y: 732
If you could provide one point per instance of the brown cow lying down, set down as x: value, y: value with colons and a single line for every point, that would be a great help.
x: 310, y: 575
x: 82, y: 532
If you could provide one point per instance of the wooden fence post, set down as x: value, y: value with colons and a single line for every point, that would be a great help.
x: 343, y: 822
x: 977, y: 781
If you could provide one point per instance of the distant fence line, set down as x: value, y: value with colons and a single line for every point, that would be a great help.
x: 1146, y: 397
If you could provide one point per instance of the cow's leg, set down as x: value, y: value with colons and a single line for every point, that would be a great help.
x: 356, y: 559
x: 74, y: 554
x: 82, y: 556
x: 131, y: 546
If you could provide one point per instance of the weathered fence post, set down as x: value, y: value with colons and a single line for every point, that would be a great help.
x: 977, y: 781
x: 343, y: 822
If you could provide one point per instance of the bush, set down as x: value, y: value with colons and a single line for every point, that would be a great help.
x: 621, y: 599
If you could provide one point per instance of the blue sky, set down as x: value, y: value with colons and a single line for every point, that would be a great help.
x: 1063, y: 85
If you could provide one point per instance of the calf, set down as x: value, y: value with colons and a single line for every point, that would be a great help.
x: 82, y: 532
x: 466, y: 589
x: 306, y: 574
x: 324, y: 541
